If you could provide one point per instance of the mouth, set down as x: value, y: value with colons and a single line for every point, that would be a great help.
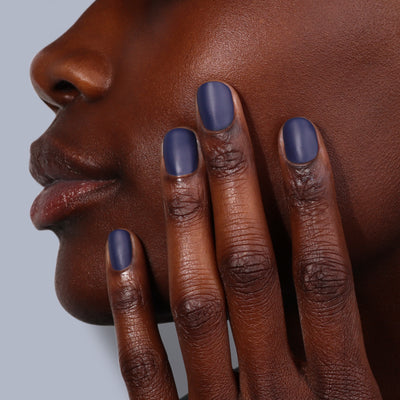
x: 72, y: 182
x: 63, y: 199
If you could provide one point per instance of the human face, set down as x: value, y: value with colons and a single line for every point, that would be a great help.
x: 128, y: 71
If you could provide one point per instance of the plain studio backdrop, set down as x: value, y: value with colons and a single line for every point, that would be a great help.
x: 45, y: 353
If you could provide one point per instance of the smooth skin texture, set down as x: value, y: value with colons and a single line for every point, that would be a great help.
x: 127, y: 72
x: 240, y: 271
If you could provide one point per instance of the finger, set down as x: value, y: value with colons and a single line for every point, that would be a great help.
x: 143, y: 361
x: 243, y: 245
x: 196, y: 295
x: 321, y: 265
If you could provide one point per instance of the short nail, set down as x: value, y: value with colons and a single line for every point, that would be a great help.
x: 180, y: 152
x: 120, y: 249
x: 300, y: 138
x: 214, y: 100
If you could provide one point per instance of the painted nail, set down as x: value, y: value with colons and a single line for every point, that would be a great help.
x: 300, y: 138
x: 120, y: 249
x: 180, y: 152
x: 214, y: 100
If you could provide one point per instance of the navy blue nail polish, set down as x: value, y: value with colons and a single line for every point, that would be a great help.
x: 214, y: 100
x: 120, y: 249
x: 180, y: 152
x: 300, y: 138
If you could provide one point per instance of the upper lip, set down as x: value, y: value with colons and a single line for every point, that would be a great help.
x: 51, y: 162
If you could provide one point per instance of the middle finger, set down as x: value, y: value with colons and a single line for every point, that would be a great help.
x: 243, y: 244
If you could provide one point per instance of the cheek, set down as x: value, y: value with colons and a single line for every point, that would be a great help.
x: 368, y: 183
x: 363, y: 147
x: 155, y: 92
x: 352, y: 101
x: 279, y: 75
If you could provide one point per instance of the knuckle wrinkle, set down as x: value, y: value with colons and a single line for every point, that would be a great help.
x: 198, y: 316
x: 128, y: 298
x: 225, y: 161
x: 308, y: 190
x: 248, y: 272
x: 185, y: 207
x: 324, y: 277
x: 140, y: 368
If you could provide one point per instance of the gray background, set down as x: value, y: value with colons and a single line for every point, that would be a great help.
x: 44, y: 352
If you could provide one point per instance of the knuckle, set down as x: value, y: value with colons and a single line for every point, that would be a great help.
x: 248, y: 271
x: 308, y: 189
x: 197, y: 316
x: 323, y: 274
x: 127, y: 297
x: 224, y: 159
x: 185, y: 204
x: 140, y: 368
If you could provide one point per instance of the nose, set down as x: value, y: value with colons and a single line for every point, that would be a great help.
x: 61, y: 73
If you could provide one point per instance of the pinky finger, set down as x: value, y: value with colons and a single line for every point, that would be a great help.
x: 143, y: 361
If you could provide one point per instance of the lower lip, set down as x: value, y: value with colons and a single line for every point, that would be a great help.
x: 63, y: 199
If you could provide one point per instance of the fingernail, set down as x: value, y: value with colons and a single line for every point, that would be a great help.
x: 180, y: 152
x: 300, y: 138
x: 215, y: 103
x: 120, y: 249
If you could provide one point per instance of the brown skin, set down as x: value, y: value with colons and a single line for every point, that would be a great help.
x: 133, y: 69
x: 336, y: 365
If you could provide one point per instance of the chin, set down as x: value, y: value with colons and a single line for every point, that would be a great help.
x: 80, y: 282
x: 80, y: 279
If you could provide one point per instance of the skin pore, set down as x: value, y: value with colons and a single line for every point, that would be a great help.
x: 128, y: 71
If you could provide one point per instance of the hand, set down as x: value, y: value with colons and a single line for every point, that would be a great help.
x: 236, y: 273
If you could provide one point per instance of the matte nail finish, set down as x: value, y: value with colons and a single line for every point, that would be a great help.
x: 180, y: 152
x: 120, y: 249
x: 300, y: 138
x: 214, y: 100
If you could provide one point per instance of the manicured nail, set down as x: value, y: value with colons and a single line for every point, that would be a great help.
x: 120, y: 249
x: 180, y: 152
x: 214, y: 100
x: 300, y: 138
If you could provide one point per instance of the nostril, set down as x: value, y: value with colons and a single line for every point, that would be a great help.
x: 64, y: 86
x: 64, y: 92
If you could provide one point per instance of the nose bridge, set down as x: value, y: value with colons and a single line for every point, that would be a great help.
x: 79, y: 63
